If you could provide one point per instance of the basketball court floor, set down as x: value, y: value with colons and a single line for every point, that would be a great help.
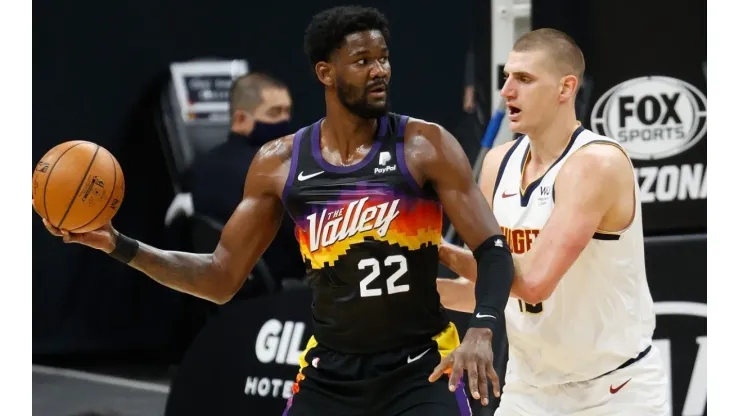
x: 67, y: 392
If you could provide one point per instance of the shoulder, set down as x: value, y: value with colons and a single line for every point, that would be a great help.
x: 275, y: 152
x: 424, y: 139
x: 600, y: 163
x: 269, y: 168
x: 426, y: 130
x: 602, y: 155
x: 495, y: 156
x: 491, y: 166
x: 431, y: 150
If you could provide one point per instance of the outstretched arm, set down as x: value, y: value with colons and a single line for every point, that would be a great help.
x: 245, y: 237
x: 247, y: 234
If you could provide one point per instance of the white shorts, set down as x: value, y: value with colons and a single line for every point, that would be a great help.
x: 643, y: 392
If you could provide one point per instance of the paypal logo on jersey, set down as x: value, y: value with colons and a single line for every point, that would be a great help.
x: 384, y: 158
x: 391, y: 168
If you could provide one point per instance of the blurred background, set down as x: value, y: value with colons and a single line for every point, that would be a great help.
x: 151, y: 83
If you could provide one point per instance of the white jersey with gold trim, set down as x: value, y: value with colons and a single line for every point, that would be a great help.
x: 601, y: 312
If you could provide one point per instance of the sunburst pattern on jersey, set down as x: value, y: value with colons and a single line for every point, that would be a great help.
x: 418, y: 223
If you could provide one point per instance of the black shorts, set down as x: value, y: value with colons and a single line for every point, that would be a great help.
x: 394, y: 383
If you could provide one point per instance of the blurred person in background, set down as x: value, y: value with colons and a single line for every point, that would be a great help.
x: 261, y: 110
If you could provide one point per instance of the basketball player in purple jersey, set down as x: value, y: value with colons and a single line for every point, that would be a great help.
x: 366, y: 189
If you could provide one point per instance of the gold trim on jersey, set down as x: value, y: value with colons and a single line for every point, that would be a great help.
x: 527, y: 157
x: 572, y: 139
x: 447, y: 340
x: 302, y: 363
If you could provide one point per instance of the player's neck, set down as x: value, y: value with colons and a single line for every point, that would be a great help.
x: 346, y: 132
x: 547, y: 144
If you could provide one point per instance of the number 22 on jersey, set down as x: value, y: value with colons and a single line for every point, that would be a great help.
x: 391, y: 283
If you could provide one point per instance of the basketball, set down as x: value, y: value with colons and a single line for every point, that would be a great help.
x: 78, y: 186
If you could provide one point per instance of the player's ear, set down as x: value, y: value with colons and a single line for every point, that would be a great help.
x: 568, y: 87
x: 240, y: 117
x: 325, y: 73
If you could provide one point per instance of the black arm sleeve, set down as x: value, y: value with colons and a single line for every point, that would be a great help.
x: 495, y: 277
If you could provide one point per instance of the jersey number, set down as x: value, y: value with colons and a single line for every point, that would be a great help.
x: 390, y: 283
x: 529, y: 308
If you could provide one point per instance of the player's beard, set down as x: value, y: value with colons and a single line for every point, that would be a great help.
x: 356, y: 100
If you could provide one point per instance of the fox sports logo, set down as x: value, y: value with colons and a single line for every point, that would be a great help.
x: 652, y: 117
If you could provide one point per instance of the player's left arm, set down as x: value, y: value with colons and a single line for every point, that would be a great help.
x: 438, y: 157
x: 588, y: 190
x: 445, y: 165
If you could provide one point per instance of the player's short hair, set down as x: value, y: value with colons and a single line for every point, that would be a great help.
x: 327, y: 30
x: 568, y: 57
x: 246, y: 91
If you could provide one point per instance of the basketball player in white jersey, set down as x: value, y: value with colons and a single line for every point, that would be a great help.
x: 580, y: 317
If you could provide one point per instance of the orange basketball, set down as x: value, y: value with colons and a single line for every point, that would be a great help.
x: 77, y: 186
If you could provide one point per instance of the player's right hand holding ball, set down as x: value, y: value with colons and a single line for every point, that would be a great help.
x: 103, y: 239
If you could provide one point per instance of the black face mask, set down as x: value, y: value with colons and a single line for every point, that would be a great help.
x: 264, y: 132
